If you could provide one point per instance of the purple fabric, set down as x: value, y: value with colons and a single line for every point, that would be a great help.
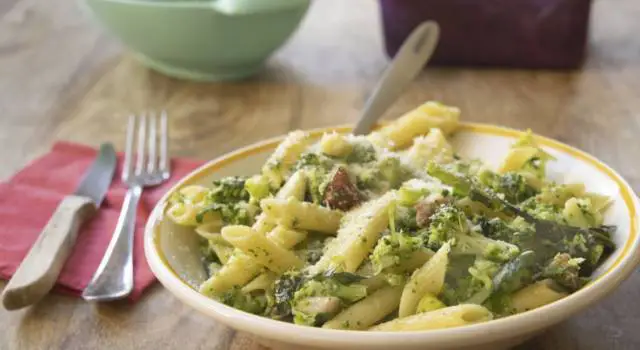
x: 509, y: 33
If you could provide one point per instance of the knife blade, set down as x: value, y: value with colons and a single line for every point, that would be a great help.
x: 39, y: 270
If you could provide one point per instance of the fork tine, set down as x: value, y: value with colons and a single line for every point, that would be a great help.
x: 142, y: 126
x: 151, y: 157
x: 127, y: 166
x: 165, y: 163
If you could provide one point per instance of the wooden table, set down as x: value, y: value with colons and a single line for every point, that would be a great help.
x: 62, y: 78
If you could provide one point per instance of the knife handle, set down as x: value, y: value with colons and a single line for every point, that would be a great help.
x: 39, y: 270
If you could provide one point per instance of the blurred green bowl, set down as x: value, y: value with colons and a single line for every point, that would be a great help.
x: 201, y: 40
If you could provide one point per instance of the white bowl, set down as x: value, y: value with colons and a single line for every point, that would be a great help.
x: 174, y: 257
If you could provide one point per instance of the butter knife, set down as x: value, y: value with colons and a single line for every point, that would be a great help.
x: 39, y: 270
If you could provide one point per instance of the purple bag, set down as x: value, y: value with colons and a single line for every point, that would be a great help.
x: 511, y: 33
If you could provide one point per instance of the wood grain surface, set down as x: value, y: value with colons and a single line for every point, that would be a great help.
x: 61, y: 77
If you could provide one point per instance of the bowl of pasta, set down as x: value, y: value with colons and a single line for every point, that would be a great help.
x: 427, y: 233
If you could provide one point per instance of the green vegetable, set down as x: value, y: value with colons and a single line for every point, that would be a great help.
x: 449, y: 222
x: 229, y: 198
x: 429, y: 303
x: 318, y: 299
x: 511, y: 185
x: 565, y: 271
x: 255, y: 304
x: 393, y: 248
x: 284, y: 289
x: 516, y: 273
x: 258, y: 188
x: 363, y: 152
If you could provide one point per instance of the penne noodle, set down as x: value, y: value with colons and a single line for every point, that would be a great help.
x: 452, y: 316
x: 427, y: 279
x: 533, y: 296
x: 261, y: 249
x: 301, y: 215
x: 367, y: 311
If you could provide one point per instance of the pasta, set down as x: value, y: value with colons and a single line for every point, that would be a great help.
x: 538, y: 294
x: 357, y: 235
x: 393, y: 231
x: 368, y: 311
x: 301, y: 215
x: 419, y: 121
x: 427, y: 279
x: 262, y: 250
x: 453, y: 316
x: 279, y: 165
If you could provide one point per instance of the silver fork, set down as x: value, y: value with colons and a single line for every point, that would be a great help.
x: 114, y: 277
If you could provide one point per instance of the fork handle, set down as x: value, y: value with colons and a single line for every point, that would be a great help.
x: 114, y: 277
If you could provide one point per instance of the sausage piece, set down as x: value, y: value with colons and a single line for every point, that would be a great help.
x: 341, y: 193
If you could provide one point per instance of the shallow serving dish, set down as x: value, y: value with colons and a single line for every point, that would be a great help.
x: 173, y: 254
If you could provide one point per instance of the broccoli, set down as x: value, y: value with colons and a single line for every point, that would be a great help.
x: 319, y: 299
x: 449, y: 222
x: 317, y: 168
x: 229, y: 189
x: 511, y: 185
x: 474, y: 287
x: 393, y: 248
x: 258, y: 188
x: 386, y: 173
x: 240, y: 213
x: 516, y: 273
x: 413, y: 190
x: 363, y: 152
x: 255, y: 304
x: 229, y: 198
x: 314, y: 160
x: 542, y: 211
x: 565, y: 271
x: 284, y: 289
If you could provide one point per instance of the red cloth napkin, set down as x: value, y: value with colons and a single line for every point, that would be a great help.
x: 28, y: 200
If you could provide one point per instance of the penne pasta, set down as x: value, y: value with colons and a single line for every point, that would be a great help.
x: 367, y: 311
x: 400, y: 133
x: 427, y: 279
x: 433, y: 147
x: 278, y: 166
x: 262, y: 282
x: 301, y: 215
x: 538, y: 294
x: 452, y: 316
x: 259, y: 248
x: 357, y: 235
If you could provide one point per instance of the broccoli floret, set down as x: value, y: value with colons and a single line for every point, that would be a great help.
x: 284, y: 289
x: 258, y: 188
x: 413, y: 190
x: 511, y: 185
x: 474, y: 287
x: 393, y: 171
x: 394, y: 248
x: 255, y: 304
x: 385, y: 174
x: 447, y: 222
x: 317, y: 168
x: 314, y: 160
x: 229, y: 198
x: 565, y: 271
x: 229, y: 189
x: 317, y: 300
x: 516, y: 273
x: 363, y: 152
x: 240, y: 213
x: 542, y: 210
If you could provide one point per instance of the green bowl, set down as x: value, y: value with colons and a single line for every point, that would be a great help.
x: 196, y: 40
